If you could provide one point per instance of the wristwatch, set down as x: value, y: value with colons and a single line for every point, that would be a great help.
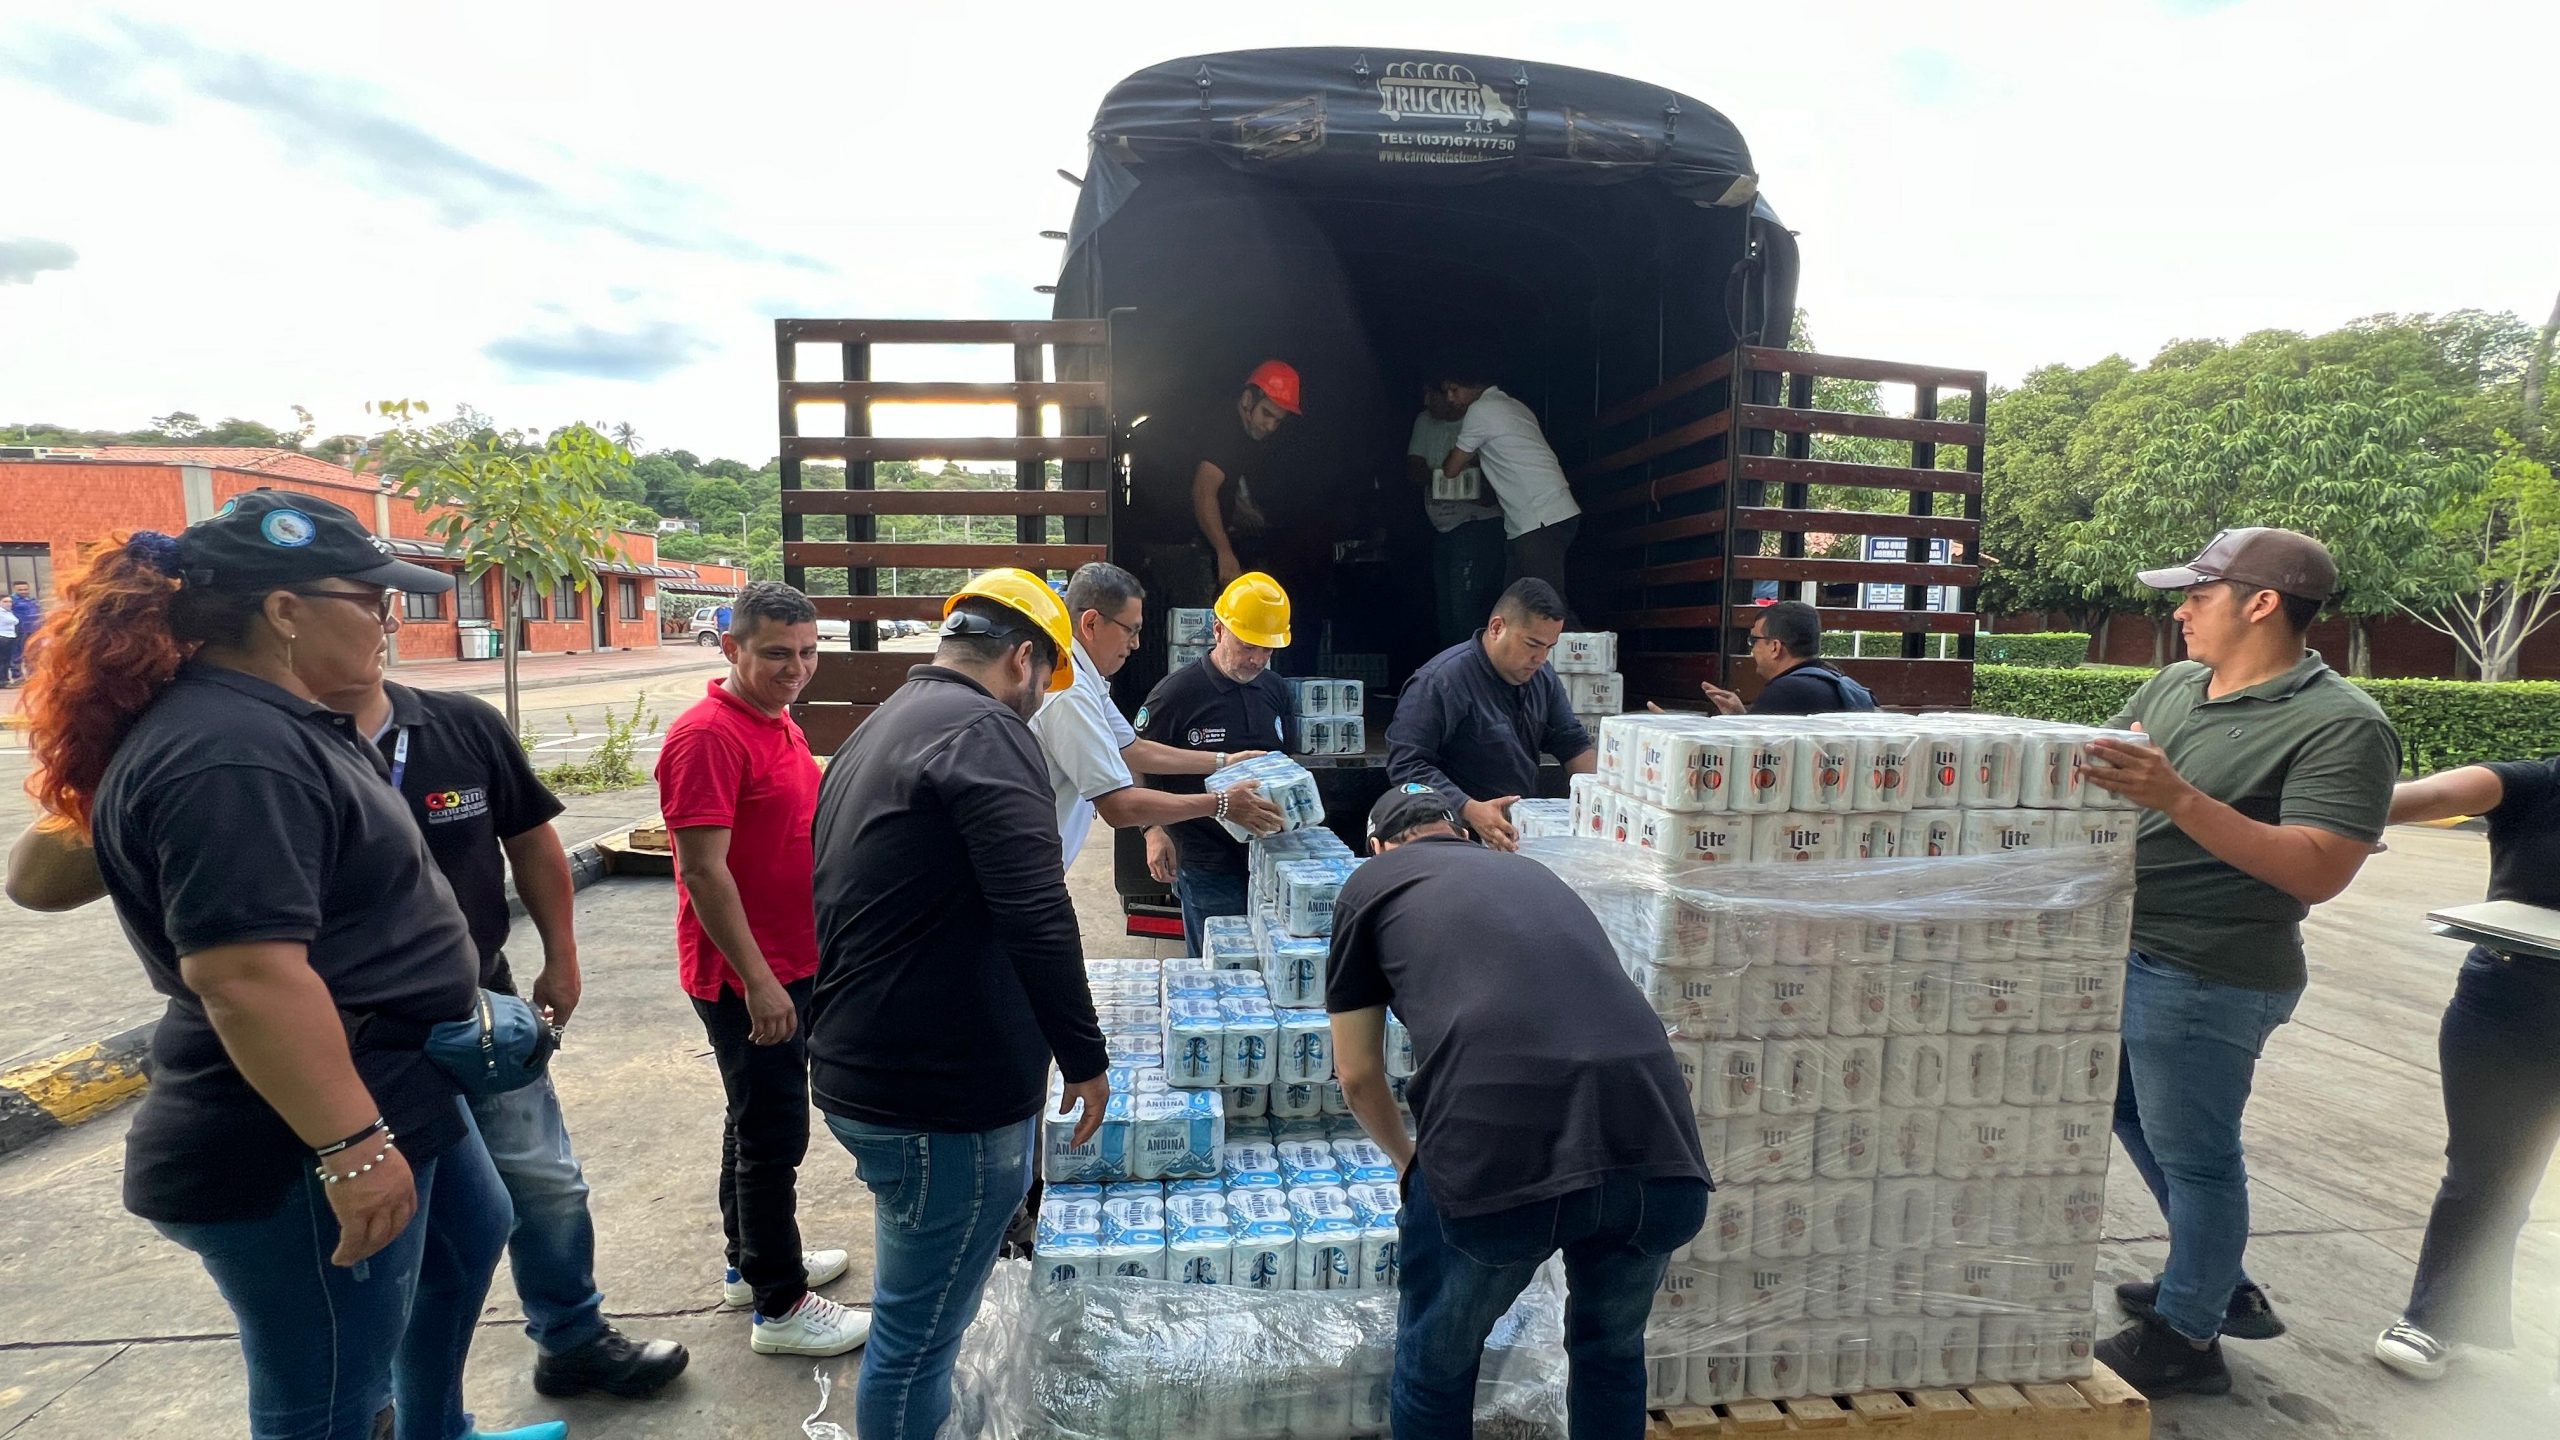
x: 1222, y: 759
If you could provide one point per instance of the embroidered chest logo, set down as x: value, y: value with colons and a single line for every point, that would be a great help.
x: 444, y: 807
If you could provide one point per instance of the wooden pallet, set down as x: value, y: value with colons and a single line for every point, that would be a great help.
x: 2101, y: 1407
x: 643, y: 850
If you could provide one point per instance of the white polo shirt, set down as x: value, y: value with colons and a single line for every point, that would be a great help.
x: 1432, y: 441
x: 1082, y: 733
x: 1517, y: 462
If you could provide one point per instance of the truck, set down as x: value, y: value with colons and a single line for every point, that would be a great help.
x: 1349, y: 211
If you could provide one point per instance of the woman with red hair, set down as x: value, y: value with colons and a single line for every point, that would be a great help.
x: 281, y: 900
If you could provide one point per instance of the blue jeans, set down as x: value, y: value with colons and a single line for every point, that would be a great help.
x: 1202, y: 896
x: 1466, y: 576
x: 2499, y: 1053
x: 553, y: 1249
x: 327, y: 1347
x: 1460, y: 1275
x: 940, y: 1203
x: 2191, y: 1052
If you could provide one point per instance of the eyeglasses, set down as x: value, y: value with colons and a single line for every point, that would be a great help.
x: 380, y: 602
x: 1135, y: 631
x: 1757, y: 638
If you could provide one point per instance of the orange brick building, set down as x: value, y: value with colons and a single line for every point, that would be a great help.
x: 55, y: 502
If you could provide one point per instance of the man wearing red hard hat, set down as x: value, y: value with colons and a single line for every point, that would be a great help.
x: 1222, y: 502
x: 1202, y: 487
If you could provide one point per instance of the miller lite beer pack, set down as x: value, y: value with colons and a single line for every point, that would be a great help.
x: 1893, y: 977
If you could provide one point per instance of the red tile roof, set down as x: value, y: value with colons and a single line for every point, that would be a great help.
x: 257, y: 459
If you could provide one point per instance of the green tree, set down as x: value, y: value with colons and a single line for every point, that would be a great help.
x: 2332, y: 453
x: 663, y: 483
x: 538, y: 518
x: 683, y: 546
x: 718, y: 502
x: 2037, y: 483
x: 2537, y: 373
x: 2499, y: 544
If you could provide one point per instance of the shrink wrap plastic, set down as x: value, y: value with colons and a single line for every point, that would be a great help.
x: 1903, y: 1061
x: 1125, y: 1359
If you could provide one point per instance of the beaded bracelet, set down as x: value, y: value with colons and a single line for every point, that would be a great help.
x: 329, y: 1177
x: 325, y: 1151
x: 1222, y: 803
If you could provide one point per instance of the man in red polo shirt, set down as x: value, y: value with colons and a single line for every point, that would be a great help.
x: 739, y: 789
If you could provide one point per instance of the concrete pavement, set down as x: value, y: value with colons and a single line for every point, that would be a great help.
x: 106, y: 1329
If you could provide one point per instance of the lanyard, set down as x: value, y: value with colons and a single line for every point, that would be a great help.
x: 400, y: 757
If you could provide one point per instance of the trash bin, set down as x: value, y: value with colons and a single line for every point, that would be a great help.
x: 480, y: 643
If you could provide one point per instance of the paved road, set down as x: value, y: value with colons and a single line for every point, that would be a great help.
x: 106, y: 1329
x: 568, y: 722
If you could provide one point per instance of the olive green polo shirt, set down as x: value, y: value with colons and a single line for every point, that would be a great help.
x: 2305, y: 748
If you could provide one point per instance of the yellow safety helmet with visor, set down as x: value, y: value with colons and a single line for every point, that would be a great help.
x: 1255, y: 610
x: 1026, y: 595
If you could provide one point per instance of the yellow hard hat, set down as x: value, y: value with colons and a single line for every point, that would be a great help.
x: 1256, y: 610
x: 1029, y: 596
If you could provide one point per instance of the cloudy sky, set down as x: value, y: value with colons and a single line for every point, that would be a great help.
x: 587, y: 211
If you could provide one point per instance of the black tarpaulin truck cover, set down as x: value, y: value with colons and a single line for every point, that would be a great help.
x: 1339, y: 114
x: 1329, y: 124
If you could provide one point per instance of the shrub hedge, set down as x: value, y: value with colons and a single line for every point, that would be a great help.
x: 2059, y: 649
x: 2442, y: 723
x: 2090, y: 695
x: 1880, y: 644
x: 2051, y: 649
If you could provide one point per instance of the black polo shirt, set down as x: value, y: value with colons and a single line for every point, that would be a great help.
x: 1466, y: 732
x: 950, y: 968
x: 2524, y: 832
x: 234, y: 812
x: 1198, y: 708
x: 1541, y: 1068
x: 469, y: 786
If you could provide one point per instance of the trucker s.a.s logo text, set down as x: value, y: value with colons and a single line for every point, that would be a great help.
x: 1439, y: 92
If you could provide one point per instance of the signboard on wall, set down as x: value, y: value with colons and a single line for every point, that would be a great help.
x: 1893, y: 548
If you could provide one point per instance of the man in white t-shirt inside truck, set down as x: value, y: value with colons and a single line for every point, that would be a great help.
x: 1466, y: 548
x: 1091, y: 749
x: 1500, y: 436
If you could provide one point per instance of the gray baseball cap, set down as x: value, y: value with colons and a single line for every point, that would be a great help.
x: 2285, y: 561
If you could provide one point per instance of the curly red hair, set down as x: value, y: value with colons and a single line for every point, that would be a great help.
x: 102, y: 657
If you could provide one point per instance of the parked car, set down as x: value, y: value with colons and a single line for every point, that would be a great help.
x: 706, y: 629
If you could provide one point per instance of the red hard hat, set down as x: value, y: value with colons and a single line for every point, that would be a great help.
x: 1278, y: 381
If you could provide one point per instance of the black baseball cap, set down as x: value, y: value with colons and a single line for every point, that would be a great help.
x: 274, y: 538
x: 1406, y: 808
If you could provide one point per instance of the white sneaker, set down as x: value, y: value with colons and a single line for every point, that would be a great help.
x: 819, y: 1326
x: 822, y: 1265
x: 2412, y: 1351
